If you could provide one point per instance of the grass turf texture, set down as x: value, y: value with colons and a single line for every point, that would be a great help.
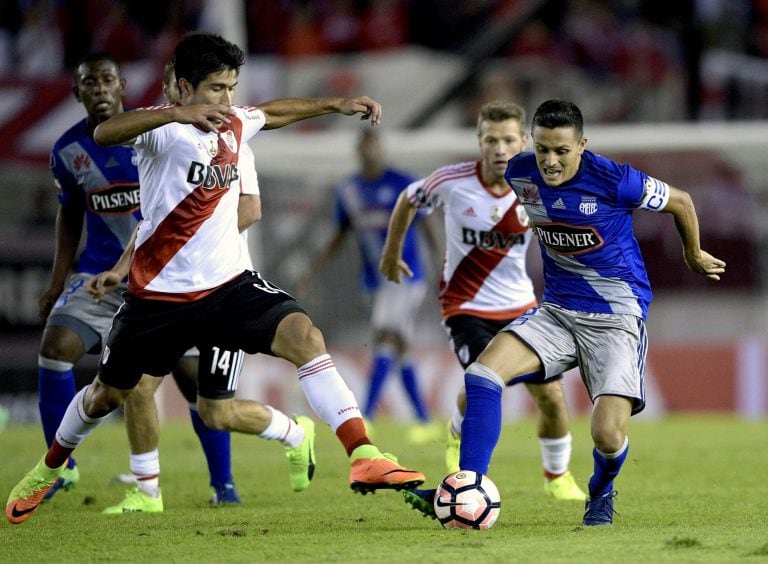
x: 694, y: 489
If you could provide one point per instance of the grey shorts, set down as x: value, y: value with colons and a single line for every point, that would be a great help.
x: 396, y: 306
x: 608, y: 348
x: 77, y: 310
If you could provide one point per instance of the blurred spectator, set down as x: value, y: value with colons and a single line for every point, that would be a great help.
x: 39, y: 45
x: 303, y: 36
x: 384, y: 25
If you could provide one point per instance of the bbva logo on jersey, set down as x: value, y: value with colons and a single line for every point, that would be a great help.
x: 212, y: 176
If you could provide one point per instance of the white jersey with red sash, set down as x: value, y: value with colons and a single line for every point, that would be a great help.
x: 188, y: 244
x: 487, y: 236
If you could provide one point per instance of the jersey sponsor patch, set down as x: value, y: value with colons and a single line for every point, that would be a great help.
x: 527, y: 191
x: 567, y: 239
x: 117, y: 198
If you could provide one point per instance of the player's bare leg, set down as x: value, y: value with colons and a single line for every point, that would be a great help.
x: 300, y: 342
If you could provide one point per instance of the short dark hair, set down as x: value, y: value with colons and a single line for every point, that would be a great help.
x: 94, y: 57
x: 199, y: 54
x: 169, y: 72
x: 500, y: 110
x: 559, y: 113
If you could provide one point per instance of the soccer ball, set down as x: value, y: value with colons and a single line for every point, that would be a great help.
x: 467, y: 500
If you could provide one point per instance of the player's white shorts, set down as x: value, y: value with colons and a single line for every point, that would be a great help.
x: 609, y: 348
x: 395, y: 307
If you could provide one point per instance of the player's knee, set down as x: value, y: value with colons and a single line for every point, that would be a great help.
x: 214, y: 416
x: 608, y: 440
x: 298, y: 340
x: 58, y: 351
x: 101, y: 400
x: 550, y: 400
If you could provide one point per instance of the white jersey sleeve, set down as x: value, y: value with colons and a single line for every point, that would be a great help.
x: 249, y: 180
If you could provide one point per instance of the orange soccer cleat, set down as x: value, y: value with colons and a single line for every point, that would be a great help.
x: 382, y: 472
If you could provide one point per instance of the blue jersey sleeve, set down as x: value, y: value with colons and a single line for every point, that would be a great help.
x: 631, y: 190
x: 67, y: 188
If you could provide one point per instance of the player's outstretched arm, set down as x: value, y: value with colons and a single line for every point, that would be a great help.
x: 392, y: 265
x: 681, y: 206
x: 285, y: 111
x: 125, y: 127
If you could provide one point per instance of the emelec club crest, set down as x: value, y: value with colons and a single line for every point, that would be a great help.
x: 588, y: 205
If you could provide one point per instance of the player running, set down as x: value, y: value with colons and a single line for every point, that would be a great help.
x: 363, y: 204
x: 484, y: 283
x: 596, y: 294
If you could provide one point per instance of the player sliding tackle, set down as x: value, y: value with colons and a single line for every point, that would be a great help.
x: 189, y: 281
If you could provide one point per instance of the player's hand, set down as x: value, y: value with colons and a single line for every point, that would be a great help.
x: 209, y: 117
x: 101, y: 284
x: 369, y: 108
x: 393, y: 268
x: 706, y: 264
x: 46, y: 301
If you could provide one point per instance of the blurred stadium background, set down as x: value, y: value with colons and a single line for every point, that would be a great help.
x: 679, y: 89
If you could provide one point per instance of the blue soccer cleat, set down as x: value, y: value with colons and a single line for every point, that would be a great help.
x: 422, y: 501
x: 224, y: 494
x: 599, y: 510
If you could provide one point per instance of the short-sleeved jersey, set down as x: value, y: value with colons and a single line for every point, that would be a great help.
x: 487, y: 237
x: 249, y: 186
x: 188, y: 244
x: 365, y: 205
x: 592, y: 261
x: 105, y: 183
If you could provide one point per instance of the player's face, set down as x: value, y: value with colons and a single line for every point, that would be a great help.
x: 100, y: 89
x: 216, y: 88
x: 558, y: 153
x: 499, y: 141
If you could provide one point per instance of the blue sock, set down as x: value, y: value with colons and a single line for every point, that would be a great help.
x: 481, y: 427
x: 379, y: 372
x: 605, y: 470
x: 217, y: 448
x: 56, y: 388
x: 408, y: 374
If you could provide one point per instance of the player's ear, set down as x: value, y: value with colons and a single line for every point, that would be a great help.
x: 76, y: 92
x: 122, y: 87
x: 185, y: 89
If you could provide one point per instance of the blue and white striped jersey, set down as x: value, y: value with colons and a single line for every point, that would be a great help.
x: 592, y: 261
x: 365, y: 206
x: 105, y: 181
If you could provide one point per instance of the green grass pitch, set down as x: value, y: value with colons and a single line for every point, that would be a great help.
x: 694, y: 489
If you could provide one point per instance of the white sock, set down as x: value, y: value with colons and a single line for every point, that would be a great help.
x: 282, y: 428
x: 146, y: 470
x: 327, y: 393
x: 556, y: 454
x: 75, y: 425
